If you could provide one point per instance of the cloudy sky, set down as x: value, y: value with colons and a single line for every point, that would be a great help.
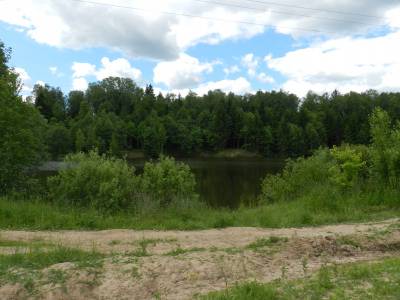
x: 181, y: 45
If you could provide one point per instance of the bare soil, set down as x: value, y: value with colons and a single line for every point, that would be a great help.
x: 182, y: 264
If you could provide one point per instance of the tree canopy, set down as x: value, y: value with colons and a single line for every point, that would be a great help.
x: 22, y: 128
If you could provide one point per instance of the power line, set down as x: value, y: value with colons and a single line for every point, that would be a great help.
x: 316, y: 9
x: 283, y: 13
x: 202, y: 17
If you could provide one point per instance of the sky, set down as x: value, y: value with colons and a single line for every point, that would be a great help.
x: 200, y: 45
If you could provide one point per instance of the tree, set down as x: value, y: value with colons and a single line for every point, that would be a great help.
x: 75, y: 98
x: 79, y: 141
x: 58, y: 140
x: 21, y: 129
x: 114, y: 146
x: 50, y: 102
x: 153, y: 135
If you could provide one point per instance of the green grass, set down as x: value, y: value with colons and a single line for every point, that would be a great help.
x: 36, y: 259
x: 26, y: 267
x: 318, y: 208
x: 379, y: 280
x: 266, y: 242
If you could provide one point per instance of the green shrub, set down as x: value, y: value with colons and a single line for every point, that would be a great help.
x: 348, y: 166
x: 385, y: 148
x: 92, y: 180
x: 298, y: 177
x: 166, y: 181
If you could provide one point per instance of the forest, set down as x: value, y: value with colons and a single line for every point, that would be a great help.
x: 115, y: 115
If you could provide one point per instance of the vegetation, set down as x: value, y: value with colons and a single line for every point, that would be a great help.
x: 26, y: 267
x: 356, y: 281
x: 117, y: 114
x: 167, y: 180
x: 315, y: 209
x: 91, y: 180
x: 22, y: 142
x: 109, y: 185
x: 97, y: 190
x: 342, y: 172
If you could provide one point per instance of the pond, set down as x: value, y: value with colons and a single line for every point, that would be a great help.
x: 225, y: 182
x: 221, y: 182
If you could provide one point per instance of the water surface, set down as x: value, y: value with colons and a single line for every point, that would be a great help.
x: 225, y: 182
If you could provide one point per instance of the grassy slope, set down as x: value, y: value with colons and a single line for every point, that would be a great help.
x: 379, y: 280
x: 313, y: 210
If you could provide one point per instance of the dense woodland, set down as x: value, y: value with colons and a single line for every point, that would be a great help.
x: 115, y: 114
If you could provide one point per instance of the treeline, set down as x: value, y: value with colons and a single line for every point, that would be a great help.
x: 115, y: 114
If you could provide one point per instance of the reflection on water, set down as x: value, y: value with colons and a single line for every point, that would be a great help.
x: 228, y: 182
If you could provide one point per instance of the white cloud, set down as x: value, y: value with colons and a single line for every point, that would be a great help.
x: 231, y: 70
x: 347, y: 64
x: 79, y: 84
x: 109, y: 68
x: 117, y: 68
x: 54, y: 71
x: 83, y: 69
x: 264, y: 78
x: 23, y: 75
x: 393, y: 17
x: 26, y: 88
x: 185, y: 72
x: 238, y: 86
x: 250, y: 62
x: 146, y: 32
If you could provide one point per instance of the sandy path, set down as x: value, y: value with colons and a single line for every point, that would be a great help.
x: 221, y: 238
x: 180, y: 264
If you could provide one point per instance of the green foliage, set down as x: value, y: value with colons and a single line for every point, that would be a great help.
x: 168, y: 180
x: 348, y: 166
x: 152, y: 135
x: 49, y: 101
x: 298, y: 177
x: 349, y: 169
x: 385, y: 148
x: 21, y: 129
x: 58, y: 140
x: 79, y: 141
x: 114, y: 146
x: 109, y: 185
x: 92, y: 180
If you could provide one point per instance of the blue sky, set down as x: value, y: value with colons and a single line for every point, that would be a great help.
x: 70, y: 43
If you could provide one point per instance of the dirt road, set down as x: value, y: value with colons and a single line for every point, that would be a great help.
x: 181, y: 264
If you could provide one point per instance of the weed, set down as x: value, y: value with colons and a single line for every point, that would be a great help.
x: 266, y: 242
x: 357, y: 281
x: 179, y: 251
x: 348, y: 240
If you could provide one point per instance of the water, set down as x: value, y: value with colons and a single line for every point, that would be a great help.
x: 221, y: 182
x: 229, y: 182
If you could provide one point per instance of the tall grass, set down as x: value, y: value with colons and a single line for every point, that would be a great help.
x: 322, y: 206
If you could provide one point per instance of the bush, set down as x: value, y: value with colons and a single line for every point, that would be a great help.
x: 92, y: 180
x: 167, y: 181
x: 348, y: 166
x: 298, y: 177
x: 385, y: 148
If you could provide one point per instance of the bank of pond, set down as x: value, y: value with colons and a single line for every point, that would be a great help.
x: 346, y: 183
